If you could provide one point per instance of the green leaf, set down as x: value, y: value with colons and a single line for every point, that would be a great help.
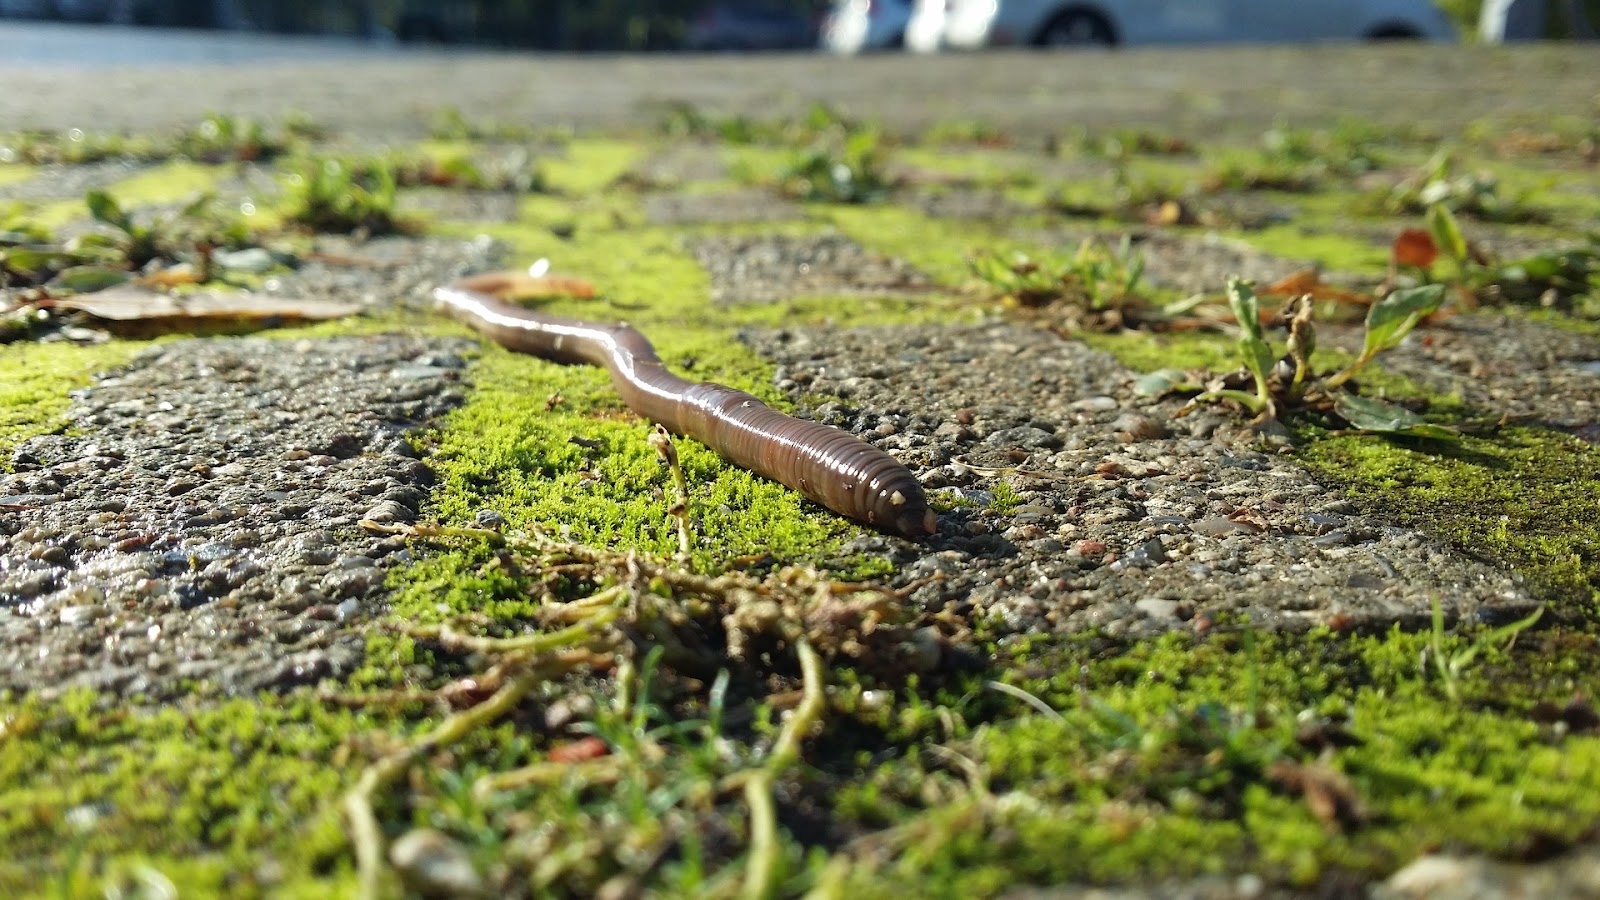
x: 105, y: 209
x: 198, y: 206
x: 1163, y: 381
x: 1246, y: 309
x: 1447, y: 232
x: 1258, y: 358
x: 88, y: 279
x: 1368, y: 414
x: 1392, y: 318
x: 36, y: 260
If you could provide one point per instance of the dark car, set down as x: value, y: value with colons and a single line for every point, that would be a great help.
x: 752, y: 26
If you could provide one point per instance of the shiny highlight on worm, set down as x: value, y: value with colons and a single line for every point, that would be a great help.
x: 832, y: 467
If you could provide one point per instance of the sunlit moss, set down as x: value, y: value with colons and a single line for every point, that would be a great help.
x: 35, y: 380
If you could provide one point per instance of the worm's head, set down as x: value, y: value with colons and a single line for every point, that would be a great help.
x: 909, y: 514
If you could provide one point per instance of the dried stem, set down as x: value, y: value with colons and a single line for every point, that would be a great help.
x: 662, y: 441
x: 365, y: 833
x: 765, y: 867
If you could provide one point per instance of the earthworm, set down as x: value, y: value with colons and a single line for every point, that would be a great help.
x: 830, y: 466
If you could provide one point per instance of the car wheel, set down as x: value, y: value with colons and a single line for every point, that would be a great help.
x: 1395, y: 33
x: 1076, y: 28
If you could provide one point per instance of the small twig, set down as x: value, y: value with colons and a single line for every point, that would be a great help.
x: 542, y: 642
x: 662, y: 441
x: 766, y: 860
x: 365, y: 834
x: 1025, y: 697
x: 606, y: 769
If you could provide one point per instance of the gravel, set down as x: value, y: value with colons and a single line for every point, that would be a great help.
x: 202, y: 530
x: 1508, y: 366
x: 729, y: 207
x: 774, y: 268
x: 1078, y: 505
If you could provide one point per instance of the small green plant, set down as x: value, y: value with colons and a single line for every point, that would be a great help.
x: 74, y: 147
x: 1264, y: 174
x: 838, y: 170
x: 967, y: 131
x: 218, y: 138
x: 1119, y: 143
x: 1450, y: 662
x: 189, y: 234
x: 1098, y: 276
x: 1348, y: 149
x: 1560, y: 277
x: 451, y: 124
x: 143, y: 241
x: 820, y: 124
x: 516, y: 171
x: 1272, y: 384
x: 329, y: 195
x: 1474, y: 194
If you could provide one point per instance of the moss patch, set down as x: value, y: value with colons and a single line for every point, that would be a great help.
x: 1188, y: 756
x: 1525, y: 496
x: 227, y: 799
x: 35, y: 380
x: 167, y: 182
x: 16, y: 172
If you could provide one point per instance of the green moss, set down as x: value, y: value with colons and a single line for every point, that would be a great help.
x: 1166, y: 759
x: 167, y: 183
x: 590, y: 165
x: 581, y: 464
x: 225, y: 799
x: 1525, y: 496
x: 1145, y: 351
x: 1308, y: 240
x: 15, y: 172
x: 938, y: 248
x: 35, y: 380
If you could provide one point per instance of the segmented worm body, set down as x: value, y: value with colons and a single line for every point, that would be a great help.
x: 832, y: 467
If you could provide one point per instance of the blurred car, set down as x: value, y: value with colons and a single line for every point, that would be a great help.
x: 26, y: 9
x: 751, y: 25
x: 87, y: 10
x: 925, y: 31
x: 852, y: 26
x: 1106, y: 23
x: 1505, y: 21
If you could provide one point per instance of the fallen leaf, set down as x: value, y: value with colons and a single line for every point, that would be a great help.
x: 1415, y: 247
x: 522, y: 286
x: 1368, y: 414
x: 1170, y: 212
x: 1329, y: 794
x: 1309, y: 281
x: 173, y: 276
x: 587, y: 748
x: 142, y: 306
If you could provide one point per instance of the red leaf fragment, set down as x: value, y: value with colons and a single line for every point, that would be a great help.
x: 1415, y: 247
x: 580, y: 750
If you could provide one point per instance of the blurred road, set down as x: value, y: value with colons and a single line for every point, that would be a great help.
x: 101, y: 77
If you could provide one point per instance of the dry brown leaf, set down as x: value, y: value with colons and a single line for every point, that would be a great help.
x: 172, y: 276
x: 1329, y: 794
x: 1415, y: 247
x: 522, y: 286
x: 1309, y: 281
x: 132, y: 304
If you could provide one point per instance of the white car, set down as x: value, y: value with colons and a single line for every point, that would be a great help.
x: 853, y: 26
x: 1106, y: 23
x: 925, y: 31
